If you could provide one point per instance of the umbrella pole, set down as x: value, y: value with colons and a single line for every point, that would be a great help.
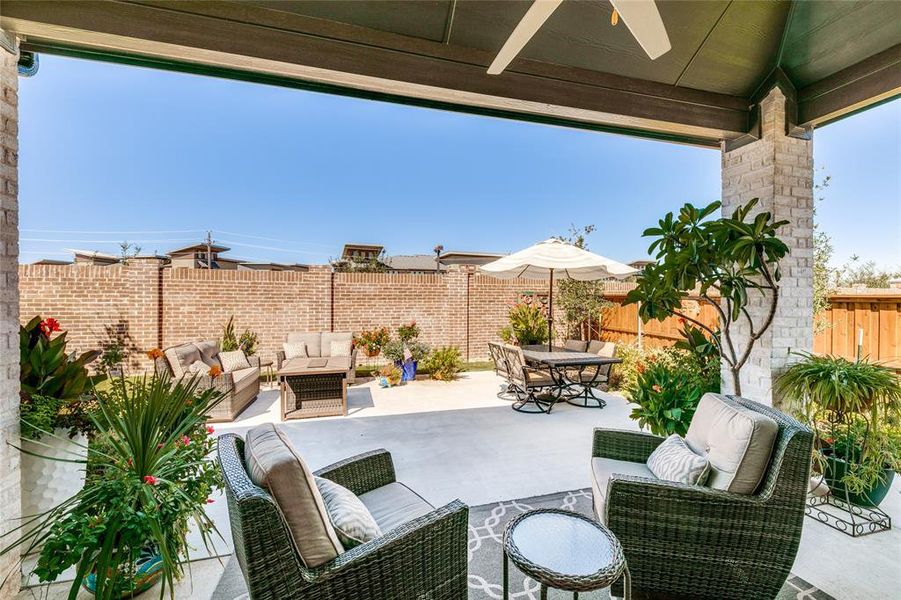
x: 550, y: 315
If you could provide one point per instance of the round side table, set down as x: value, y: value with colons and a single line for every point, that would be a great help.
x: 564, y: 550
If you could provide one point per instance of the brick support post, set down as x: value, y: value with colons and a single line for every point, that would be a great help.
x: 10, y: 483
x: 778, y: 170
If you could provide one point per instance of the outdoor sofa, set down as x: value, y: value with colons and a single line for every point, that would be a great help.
x: 736, y: 537
x: 240, y: 387
x: 318, y: 345
x: 287, y: 547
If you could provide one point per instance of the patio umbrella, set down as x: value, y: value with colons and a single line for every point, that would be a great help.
x: 552, y: 258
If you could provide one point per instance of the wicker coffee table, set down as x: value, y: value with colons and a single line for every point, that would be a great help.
x: 564, y: 550
x: 314, y: 387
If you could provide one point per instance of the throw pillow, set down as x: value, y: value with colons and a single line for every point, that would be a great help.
x: 295, y: 350
x: 349, y: 516
x: 233, y: 361
x: 198, y: 366
x: 340, y: 348
x: 673, y: 460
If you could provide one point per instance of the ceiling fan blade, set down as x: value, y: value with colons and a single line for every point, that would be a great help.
x: 643, y: 20
x: 534, y: 18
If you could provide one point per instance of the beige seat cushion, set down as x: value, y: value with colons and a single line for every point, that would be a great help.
x: 576, y: 345
x: 394, y: 504
x: 182, y: 357
x: 604, y: 349
x: 736, y: 440
x: 601, y: 471
x: 244, y: 378
x: 337, y: 336
x: 313, y: 342
x: 274, y: 465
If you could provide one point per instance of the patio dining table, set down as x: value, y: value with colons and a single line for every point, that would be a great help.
x: 562, y: 364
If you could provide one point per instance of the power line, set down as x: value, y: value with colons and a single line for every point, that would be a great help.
x: 269, y: 239
x: 272, y: 248
x: 111, y: 232
x: 82, y: 241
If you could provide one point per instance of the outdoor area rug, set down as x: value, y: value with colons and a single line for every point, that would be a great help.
x: 486, y: 531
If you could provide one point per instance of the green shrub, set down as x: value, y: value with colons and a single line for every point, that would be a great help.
x: 444, y: 363
x: 528, y: 325
x: 230, y: 340
x: 666, y: 398
x: 408, y: 332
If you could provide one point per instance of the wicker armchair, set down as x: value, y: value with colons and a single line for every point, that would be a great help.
x: 424, y: 558
x: 685, y: 541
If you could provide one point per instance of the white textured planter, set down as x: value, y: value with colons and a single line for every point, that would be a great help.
x: 47, y: 483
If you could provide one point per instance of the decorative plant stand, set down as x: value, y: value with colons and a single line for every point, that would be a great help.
x: 848, y: 518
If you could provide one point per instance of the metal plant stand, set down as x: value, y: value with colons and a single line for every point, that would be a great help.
x: 848, y: 518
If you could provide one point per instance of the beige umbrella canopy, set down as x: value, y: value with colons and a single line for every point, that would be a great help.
x: 556, y: 258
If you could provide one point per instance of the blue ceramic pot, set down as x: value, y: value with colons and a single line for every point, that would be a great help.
x: 408, y: 369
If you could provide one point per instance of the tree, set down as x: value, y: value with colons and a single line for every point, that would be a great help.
x: 731, y: 257
x: 822, y: 255
x: 127, y: 251
x: 375, y: 264
x: 580, y: 300
x: 854, y: 272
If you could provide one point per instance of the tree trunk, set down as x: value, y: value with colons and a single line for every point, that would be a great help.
x: 736, y: 381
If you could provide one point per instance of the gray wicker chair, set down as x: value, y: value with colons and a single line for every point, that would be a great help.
x: 500, y: 369
x: 527, y: 382
x: 424, y: 558
x: 695, y: 542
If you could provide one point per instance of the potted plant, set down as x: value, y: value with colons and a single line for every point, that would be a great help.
x: 389, y: 376
x: 528, y: 325
x: 444, y: 364
x: 56, y: 396
x: 406, y: 356
x: 372, y: 340
x: 408, y: 332
x: 854, y: 408
x: 149, y: 473
x: 230, y: 340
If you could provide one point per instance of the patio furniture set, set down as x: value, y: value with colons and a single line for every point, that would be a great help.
x: 538, y: 376
x: 313, y: 372
x: 728, y: 530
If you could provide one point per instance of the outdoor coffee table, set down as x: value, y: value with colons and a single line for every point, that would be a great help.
x: 564, y: 550
x: 314, y: 387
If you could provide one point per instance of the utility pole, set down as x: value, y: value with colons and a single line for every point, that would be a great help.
x: 209, y: 249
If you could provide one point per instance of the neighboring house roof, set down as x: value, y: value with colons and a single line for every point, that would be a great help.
x: 413, y: 262
x: 199, y: 248
x: 348, y: 250
x: 640, y: 264
x: 93, y: 254
x: 51, y: 261
x: 260, y: 266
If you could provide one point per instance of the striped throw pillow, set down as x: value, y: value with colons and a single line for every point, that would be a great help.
x: 673, y: 460
x: 349, y: 516
x: 233, y: 361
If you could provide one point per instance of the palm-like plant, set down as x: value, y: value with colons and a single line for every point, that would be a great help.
x: 148, y: 475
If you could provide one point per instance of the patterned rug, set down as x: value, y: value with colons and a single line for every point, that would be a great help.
x: 486, y: 530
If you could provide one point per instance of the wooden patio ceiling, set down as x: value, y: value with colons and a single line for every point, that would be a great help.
x: 830, y: 58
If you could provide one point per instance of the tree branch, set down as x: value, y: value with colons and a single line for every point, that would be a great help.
x: 712, y: 333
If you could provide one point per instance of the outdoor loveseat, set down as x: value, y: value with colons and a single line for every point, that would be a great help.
x: 288, y: 549
x: 737, y: 539
x: 318, y: 345
x: 239, y: 387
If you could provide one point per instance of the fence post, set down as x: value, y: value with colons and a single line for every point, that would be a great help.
x: 638, y: 314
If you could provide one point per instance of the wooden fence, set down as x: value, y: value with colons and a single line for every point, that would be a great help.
x: 876, y: 312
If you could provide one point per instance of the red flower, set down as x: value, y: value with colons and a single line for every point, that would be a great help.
x: 48, y: 326
x: 185, y: 440
x: 129, y: 462
x: 681, y: 320
x: 210, y: 430
x: 209, y: 500
x: 150, y: 480
x: 656, y: 388
x: 159, y: 446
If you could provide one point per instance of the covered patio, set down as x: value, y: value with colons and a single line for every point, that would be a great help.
x: 750, y: 79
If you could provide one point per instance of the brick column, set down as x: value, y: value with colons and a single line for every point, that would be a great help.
x: 777, y: 169
x: 10, y: 484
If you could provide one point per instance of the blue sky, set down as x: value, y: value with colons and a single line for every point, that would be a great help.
x: 110, y: 153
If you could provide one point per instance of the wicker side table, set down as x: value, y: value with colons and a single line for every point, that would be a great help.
x: 312, y: 391
x: 564, y: 550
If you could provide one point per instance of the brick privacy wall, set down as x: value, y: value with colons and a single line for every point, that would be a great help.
x: 779, y: 170
x: 10, y: 484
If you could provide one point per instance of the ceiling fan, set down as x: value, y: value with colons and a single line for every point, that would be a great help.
x: 640, y: 16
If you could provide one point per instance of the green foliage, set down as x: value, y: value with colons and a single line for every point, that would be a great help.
x: 666, y: 398
x: 528, y: 325
x: 230, y: 340
x: 375, y: 264
x: 727, y: 257
x: 37, y: 414
x: 408, y: 332
x: 822, y: 255
x: 855, y: 409
x: 372, y: 340
x: 854, y: 272
x: 705, y: 350
x: 444, y: 363
x: 391, y: 373
x: 148, y: 474
x: 394, y: 350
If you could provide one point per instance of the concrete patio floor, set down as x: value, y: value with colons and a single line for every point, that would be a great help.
x: 458, y: 440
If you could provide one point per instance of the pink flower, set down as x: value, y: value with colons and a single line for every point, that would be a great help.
x: 185, y: 440
x: 209, y: 500
x: 210, y: 430
x: 150, y: 480
x: 159, y: 446
x: 656, y: 388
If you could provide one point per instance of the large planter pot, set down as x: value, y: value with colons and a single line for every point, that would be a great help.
x: 408, y: 369
x: 148, y: 570
x: 47, y: 483
x: 836, y: 468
